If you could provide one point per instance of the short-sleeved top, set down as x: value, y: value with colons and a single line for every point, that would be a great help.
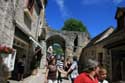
x: 84, y: 78
x: 52, y: 72
x: 74, y: 68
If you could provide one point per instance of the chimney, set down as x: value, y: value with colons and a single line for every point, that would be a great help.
x: 120, y: 17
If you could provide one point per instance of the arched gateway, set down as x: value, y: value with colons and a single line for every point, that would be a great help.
x: 71, y: 42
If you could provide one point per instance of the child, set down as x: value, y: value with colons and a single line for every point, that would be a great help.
x: 102, y: 75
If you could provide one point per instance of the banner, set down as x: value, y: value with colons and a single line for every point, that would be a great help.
x: 10, y: 60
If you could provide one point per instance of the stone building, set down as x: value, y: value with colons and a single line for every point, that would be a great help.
x: 110, y: 50
x: 21, y: 22
x: 94, y: 49
x: 115, y: 44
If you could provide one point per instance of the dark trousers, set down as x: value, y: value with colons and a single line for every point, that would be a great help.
x: 59, y: 77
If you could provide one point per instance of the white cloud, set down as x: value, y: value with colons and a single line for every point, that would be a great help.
x: 60, y: 3
x: 62, y: 8
x: 88, y: 2
x: 117, y: 1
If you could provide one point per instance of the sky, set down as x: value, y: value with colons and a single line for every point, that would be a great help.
x: 96, y: 15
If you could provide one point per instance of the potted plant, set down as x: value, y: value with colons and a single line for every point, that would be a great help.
x: 5, y: 50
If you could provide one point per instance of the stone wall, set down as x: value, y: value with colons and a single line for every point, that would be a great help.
x: 95, y: 50
x: 71, y: 40
x: 13, y: 18
x: 26, y: 23
x: 30, y: 24
x: 6, y: 23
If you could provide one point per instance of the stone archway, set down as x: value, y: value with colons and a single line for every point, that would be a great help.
x: 72, y: 42
x: 56, y: 39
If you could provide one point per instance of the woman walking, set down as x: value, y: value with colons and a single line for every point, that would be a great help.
x: 51, y: 71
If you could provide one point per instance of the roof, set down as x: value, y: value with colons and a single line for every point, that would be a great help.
x: 101, y: 36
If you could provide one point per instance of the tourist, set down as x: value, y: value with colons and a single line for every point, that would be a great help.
x: 38, y: 55
x: 73, y: 69
x: 67, y: 64
x: 51, y: 71
x: 21, y: 65
x: 60, y: 66
x: 90, y: 72
x: 49, y: 53
x: 102, y: 75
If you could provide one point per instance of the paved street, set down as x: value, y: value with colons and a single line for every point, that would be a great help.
x: 39, y: 78
x: 64, y: 81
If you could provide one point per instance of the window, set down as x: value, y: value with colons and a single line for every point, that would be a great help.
x: 29, y: 4
x: 75, y: 43
x: 38, y: 6
x: 39, y: 3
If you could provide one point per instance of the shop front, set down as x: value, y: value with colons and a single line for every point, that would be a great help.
x: 23, y: 52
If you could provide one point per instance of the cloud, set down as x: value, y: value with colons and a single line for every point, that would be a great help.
x: 88, y: 2
x: 62, y: 8
x: 117, y: 1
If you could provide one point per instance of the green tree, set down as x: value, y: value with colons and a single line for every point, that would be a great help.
x: 57, y: 49
x: 74, y: 25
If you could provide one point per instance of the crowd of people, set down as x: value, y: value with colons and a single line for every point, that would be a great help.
x: 60, y: 68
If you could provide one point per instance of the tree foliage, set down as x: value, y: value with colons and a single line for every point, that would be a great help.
x: 57, y: 49
x: 74, y: 25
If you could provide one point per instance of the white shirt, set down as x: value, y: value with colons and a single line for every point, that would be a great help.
x: 74, y: 67
x: 104, y: 81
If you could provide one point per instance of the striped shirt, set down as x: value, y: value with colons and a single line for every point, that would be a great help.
x: 60, y: 64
